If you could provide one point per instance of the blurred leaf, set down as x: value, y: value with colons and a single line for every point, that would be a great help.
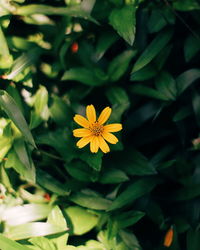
x: 6, y: 138
x: 92, y: 78
x: 81, y: 171
x: 47, y: 181
x: 14, y: 162
x: 43, y: 243
x: 128, y: 218
x: 10, y: 244
x: 125, y: 29
x: 6, y: 59
x: 90, y: 201
x: 105, y: 41
x: 186, y: 5
x: 159, y: 42
x: 145, y: 73
x: 185, y: 79
x: 119, y: 100
x: 119, y: 65
x: 82, y: 221
x: 183, y: 113
x: 136, y: 164
x: 193, y: 239
x: 112, y: 176
x: 133, y: 192
x: 166, y: 85
x: 56, y: 217
x: 23, y: 155
x: 150, y: 92
x: 77, y: 11
x: 191, y: 47
x: 32, y: 229
x: 93, y: 160
x: 159, y: 18
x: 18, y: 215
x: 130, y: 240
x: 40, y: 104
x: 14, y: 93
x: 196, y: 105
x: 15, y: 114
x: 23, y: 62
x: 60, y: 112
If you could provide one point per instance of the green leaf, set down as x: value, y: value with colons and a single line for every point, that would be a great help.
x: 77, y: 11
x: 43, y: 243
x: 105, y: 41
x: 112, y: 176
x: 18, y: 215
x: 6, y: 138
x: 32, y: 229
x: 40, y: 104
x: 166, y: 85
x: 90, y: 201
x: 6, y: 58
x: 146, y: 73
x: 193, y: 239
x: 191, y: 47
x: 23, y: 62
x: 47, y: 181
x: 15, y: 114
x: 133, y: 192
x: 136, y: 164
x: 56, y: 217
x: 159, y: 42
x: 8, y: 244
x: 119, y: 100
x: 185, y: 79
x: 129, y: 218
x: 150, y: 92
x: 60, y: 112
x: 82, y: 221
x: 96, y: 77
x: 186, y: 5
x: 24, y: 156
x: 125, y: 29
x: 183, y: 113
x: 119, y: 65
x: 81, y: 171
x: 196, y: 105
x: 130, y: 240
x: 93, y: 160
x: 14, y: 162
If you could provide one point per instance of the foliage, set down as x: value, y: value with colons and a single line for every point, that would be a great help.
x: 140, y: 58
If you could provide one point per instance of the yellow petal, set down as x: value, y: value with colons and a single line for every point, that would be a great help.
x: 110, y: 138
x: 91, y: 113
x: 81, y: 132
x: 94, y: 144
x: 81, y: 121
x: 83, y: 142
x: 105, y: 114
x: 103, y: 145
x: 115, y: 127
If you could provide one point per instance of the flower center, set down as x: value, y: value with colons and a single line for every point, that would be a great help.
x: 96, y: 129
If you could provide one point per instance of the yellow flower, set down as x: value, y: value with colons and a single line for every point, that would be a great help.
x: 94, y: 131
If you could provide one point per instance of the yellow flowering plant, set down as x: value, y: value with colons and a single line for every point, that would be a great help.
x: 95, y: 131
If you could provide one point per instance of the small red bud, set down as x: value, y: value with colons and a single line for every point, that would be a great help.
x: 74, y: 47
x: 47, y: 197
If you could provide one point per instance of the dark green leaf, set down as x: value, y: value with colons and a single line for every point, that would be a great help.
x: 133, y: 192
x: 112, y: 176
x: 185, y: 79
x: 10, y: 244
x: 125, y: 29
x: 119, y: 65
x: 15, y: 114
x: 153, y: 49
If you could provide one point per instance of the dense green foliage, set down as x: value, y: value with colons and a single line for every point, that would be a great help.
x: 139, y: 57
